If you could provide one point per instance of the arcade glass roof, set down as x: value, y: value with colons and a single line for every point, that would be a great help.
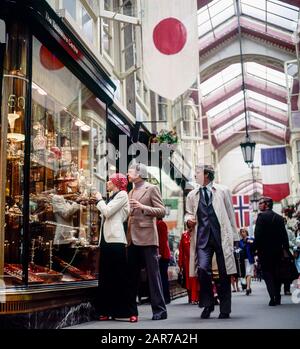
x: 272, y: 23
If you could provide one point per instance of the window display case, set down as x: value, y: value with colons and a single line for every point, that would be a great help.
x: 64, y: 165
x: 55, y: 98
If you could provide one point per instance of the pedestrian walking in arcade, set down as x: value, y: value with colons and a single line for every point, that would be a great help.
x: 270, y: 241
x: 210, y: 212
x: 246, y: 246
x: 113, y: 274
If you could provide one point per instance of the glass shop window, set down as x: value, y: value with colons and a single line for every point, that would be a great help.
x: 70, y: 6
x: 67, y: 147
x: 14, y: 88
x: 86, y: 23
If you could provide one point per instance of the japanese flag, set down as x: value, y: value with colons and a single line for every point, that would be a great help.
x: 170, y: 46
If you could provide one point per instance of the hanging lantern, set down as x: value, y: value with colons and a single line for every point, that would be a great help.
x: 248, y: 149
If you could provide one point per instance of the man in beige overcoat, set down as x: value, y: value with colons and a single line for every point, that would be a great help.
x: 145, y: 206
x: 209, y: 209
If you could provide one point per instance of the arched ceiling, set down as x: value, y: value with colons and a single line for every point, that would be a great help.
x: 268, y: 61
x: 233, y: 140
x: 247, y: 187
x: 250, y: 28
x: 202, y: 3
x: 265, y: 29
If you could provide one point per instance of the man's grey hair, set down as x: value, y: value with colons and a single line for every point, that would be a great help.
x: 140, y: 168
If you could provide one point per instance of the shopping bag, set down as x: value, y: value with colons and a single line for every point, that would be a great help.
x: 288, y: 271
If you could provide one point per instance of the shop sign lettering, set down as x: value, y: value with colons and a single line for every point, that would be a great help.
x: 16, y: 102
x: 66, y: 39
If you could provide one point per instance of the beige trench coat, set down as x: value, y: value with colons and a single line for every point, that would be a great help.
x: 222, y: 203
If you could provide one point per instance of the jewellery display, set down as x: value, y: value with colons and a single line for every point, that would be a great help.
x: 50, y: 254
x: 46, y: 274
x: 63, y: 240
x: 15, y: 210
x: 74, y: 271
x: 66, y: 152
x: 15, y: 270
x: 32, y: 250
x: 12, y: 117
x: 57, y: 153
x: 82, y: 183
x: 17, y: 137
x: 74, y: 170
x: 12, y: 149
x: 39, y: 142
x: 36, y: 273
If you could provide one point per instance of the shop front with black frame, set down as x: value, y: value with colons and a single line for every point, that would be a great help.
x: 55, y: 100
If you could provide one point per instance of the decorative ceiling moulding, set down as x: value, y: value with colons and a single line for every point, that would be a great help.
x: 219, y: 123
x: 235, y: 140
x: 248, y: 186
x: 269, y: 43
x: 205, y: 55
x: 283, y: 40
x: 218, y: 44
x: 254, y: 130
x: 268, y: 61
x: 251, y: 83
x: 202, y: 3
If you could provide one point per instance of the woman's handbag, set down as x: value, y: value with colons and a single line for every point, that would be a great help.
x: 288, y: 271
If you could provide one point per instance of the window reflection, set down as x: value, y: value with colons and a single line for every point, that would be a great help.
x: 15, y: 85
x: 87, y: 24
x: 67, y: 147
x: 70, y: 6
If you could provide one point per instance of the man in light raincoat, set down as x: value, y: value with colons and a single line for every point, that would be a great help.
x: 209, y: 209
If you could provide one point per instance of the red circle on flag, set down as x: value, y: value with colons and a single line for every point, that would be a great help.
x: 49, y: 60
x: 169, y: 36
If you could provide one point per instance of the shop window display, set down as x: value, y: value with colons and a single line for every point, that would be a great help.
x: 15, y: 86
x: 67, y: 146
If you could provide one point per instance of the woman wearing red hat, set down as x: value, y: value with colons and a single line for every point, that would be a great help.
x: 113, y: 290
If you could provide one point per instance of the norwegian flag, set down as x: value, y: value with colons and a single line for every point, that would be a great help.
x: 241, y: 204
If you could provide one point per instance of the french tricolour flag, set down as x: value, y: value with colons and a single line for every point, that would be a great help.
x: 275, y: 173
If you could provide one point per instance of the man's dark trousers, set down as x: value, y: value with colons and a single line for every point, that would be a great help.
x: 208, y: 243
x: 204, y: 256
x: 271, y: 275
